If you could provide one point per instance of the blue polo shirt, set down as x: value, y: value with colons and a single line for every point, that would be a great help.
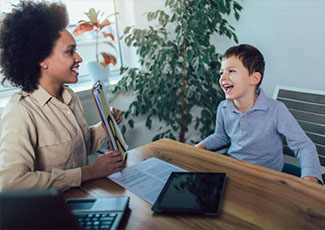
x: 256, y: 135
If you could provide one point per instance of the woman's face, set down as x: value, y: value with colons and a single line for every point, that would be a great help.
x: 63, y: 63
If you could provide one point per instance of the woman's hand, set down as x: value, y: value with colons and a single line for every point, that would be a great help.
x: 117, y: 115
x: 103, y: 166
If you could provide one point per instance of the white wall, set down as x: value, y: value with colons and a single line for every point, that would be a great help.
x: 291, y: 37
x: 289, y: 33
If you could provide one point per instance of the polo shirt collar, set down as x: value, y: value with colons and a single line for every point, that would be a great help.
x: 261, y: 102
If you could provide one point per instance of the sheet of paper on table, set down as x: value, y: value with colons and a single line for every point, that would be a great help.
x: 145, y: 179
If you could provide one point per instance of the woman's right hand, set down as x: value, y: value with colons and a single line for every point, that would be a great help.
x: 103, y: 166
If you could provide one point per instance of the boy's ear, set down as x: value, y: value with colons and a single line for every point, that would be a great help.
x: 256, y: 78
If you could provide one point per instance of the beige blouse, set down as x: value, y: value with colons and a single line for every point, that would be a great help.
x: 44, y: 142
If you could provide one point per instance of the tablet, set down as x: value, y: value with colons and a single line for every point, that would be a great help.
x: 191, y: 192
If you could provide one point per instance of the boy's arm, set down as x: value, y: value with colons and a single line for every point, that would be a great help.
x: 303, y: 148
x: 219, y: 138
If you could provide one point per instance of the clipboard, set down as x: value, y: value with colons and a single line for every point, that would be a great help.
x: 113, y: 132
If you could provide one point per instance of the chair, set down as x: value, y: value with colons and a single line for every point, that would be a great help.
x: 308, y: 107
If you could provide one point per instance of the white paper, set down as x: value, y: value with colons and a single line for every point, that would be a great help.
x: 145, y: 179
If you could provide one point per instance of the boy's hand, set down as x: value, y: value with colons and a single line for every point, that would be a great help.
x: 200, y: 145
x: 117, y: 115
x: 311, y: 178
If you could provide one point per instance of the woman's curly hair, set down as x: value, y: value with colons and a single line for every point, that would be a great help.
x: 27, y: 36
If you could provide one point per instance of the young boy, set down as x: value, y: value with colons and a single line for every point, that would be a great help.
x: 253, y: 123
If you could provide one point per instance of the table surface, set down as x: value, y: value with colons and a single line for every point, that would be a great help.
x: 254, y: 198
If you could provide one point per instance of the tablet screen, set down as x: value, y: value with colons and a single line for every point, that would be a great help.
x: 191, y: 192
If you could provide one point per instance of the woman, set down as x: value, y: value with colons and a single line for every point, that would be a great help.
x: 44, y: 138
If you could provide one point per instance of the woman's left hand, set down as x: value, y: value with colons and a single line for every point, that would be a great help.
x: 117, y: 115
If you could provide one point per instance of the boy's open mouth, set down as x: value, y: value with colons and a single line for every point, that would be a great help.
x: 227, y: 87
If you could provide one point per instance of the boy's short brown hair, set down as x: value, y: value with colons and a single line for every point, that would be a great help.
x: 251, y: 58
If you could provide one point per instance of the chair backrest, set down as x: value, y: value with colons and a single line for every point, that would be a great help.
x: 308, y: 107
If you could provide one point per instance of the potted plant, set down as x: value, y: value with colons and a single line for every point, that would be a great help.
x: 98, y: 69
x: 177, y: 84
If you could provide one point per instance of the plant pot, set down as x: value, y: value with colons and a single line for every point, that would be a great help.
x: 98, y: 72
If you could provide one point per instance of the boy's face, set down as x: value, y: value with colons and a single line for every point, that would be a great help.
x: 235, y: 79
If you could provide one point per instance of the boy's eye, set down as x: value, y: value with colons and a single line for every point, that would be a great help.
x: 220, y: 73
x: 231, y: 71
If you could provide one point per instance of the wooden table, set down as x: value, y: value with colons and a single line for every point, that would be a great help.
x: 254, y: 198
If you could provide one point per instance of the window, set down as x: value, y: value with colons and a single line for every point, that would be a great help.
x: 85, y: 43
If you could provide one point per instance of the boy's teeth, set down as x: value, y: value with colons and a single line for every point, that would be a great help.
x: 227, y: 87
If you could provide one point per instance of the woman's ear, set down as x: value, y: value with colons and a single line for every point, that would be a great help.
x: 256, y: 78
x: 43, y: 65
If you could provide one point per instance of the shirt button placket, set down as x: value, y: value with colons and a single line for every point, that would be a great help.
x: 242, y: 122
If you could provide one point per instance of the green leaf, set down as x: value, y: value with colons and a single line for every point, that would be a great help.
x: 237, y: 16
x: 193, y: 23
x: 205, y: 113
x: 148, y: 122
x: 123, y: 129
x: 131, y: 123
x: 126, y: 114
x: 157, y: 137
x: 237, y: 7
x: 235, y: 38
x: 127, y: 29
x: 197, y: 96
x: 171, y: 136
